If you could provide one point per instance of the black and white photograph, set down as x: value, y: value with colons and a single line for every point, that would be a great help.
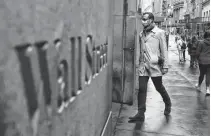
x: 105, y: 68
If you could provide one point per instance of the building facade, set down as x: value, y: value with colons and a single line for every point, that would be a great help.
x: 199, y: 17
x: 157, y: 11
x: 191, y: 16
x: 206, y: 10
x: 154, y: 6
x: 167, y: 8
x: 196, y: 8
x: 206, y: 14
x: 179, y: 12
x: 146, y: 5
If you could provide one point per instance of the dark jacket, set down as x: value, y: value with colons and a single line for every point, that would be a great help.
x: 203, y: 52
x: 192, y: 46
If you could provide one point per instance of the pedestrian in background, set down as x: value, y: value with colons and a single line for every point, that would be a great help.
x: 176, y: 38
x: 152, y: 63
x: 189, y: 45
x: 179, y: 48
x: 192, y: 51
x: 167, y: 39
x: 183, y: 47
x: 203, y: 55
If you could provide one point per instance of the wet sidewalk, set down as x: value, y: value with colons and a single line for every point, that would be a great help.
x: 190, y: 108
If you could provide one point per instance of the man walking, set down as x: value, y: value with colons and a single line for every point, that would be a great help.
x: 152, y: 63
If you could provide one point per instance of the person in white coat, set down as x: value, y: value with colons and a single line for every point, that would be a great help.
x: 179, y: 48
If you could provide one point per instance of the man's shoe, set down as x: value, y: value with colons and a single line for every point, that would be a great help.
x: 138, y: 117
x: 167, y: 110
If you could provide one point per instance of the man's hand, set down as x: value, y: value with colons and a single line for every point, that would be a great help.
x: 164, y: 71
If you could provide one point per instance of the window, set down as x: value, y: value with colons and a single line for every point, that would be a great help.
x: 197, y: 28
x: 79, y: 63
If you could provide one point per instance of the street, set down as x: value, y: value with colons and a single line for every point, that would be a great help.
x: 190, y: 108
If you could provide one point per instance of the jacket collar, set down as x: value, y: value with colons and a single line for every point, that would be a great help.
x: 149, y: 28
x: 154, y: 30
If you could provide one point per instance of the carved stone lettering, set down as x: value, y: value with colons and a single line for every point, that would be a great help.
x: 63, y: 95
x: 94, y: 61
x: 79, y: 63
x: 73, y: 82
x: 31, y: 85
x: 27, y: 77
x: 101, y: 57
x: 106, y: 53
x: 98, y: 59
x: 42, y: 47
x: 89, y: 61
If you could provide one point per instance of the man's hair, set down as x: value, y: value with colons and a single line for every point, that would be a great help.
x: 206, y: 35
x: 150, y: 15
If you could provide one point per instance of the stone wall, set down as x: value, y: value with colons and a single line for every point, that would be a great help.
x: 39, y: 37
x: 123, y: 59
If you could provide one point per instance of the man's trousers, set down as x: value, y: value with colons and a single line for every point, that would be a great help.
x: 142, y: 94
